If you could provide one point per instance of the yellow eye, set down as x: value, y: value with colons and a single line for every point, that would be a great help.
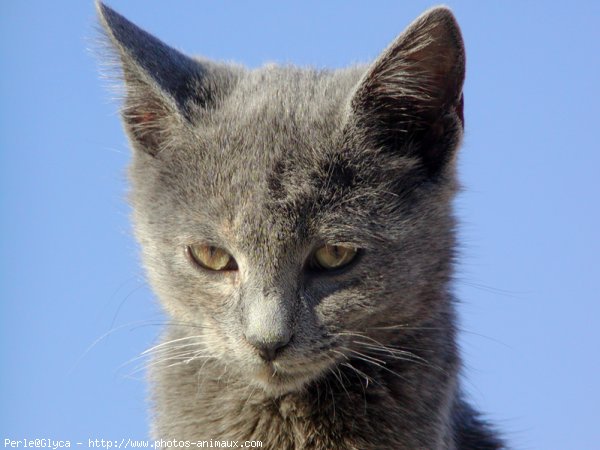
x: 331, y: 257
x: 212, y: 258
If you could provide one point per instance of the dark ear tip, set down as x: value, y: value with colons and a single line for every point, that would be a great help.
x: 102, y: 9
x: 440, y: 13
x: 109, y: 18
x: 104, y: 13
x: 441, y: 24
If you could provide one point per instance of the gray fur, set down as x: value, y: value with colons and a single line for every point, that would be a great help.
x: 269, y: 164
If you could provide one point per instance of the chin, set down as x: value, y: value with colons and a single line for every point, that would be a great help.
x: 276, y: 379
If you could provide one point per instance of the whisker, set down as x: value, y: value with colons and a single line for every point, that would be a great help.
x: 163, y: 344
x: 394, y: 352
x: 367, y: 378
x: 375, y: 362
x: 104, y: 336
x: 339, y: 379
x: 181, y: 358
x: 372, y: 358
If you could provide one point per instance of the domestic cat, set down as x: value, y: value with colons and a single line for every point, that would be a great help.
x: 297, y: 226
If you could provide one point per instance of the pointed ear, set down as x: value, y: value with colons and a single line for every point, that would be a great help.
x: 164, y: 88
x: 410, y: 100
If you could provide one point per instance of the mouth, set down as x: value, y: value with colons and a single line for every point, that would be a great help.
x: 277, y: 378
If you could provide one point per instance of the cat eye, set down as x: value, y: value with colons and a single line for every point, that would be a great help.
x: 211, y: 258
x: 332, y: 257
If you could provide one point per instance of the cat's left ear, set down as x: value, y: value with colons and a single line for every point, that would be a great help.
x: 410, y: 100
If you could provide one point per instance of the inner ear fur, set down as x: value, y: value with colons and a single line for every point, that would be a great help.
x: 410, y: 100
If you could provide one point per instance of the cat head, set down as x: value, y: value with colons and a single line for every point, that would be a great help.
x: 288, y: 216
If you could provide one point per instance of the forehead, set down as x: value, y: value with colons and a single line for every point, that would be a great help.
x: 271, y: 154
x: 275, y: 118
x: 276, y: 107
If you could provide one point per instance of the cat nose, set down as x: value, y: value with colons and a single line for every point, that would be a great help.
x: 268, y: 350
x: 268, y: 323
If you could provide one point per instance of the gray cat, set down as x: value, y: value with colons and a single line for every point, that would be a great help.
x: 297, y: 227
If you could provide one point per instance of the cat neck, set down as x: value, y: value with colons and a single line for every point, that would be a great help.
x: 361, y: 404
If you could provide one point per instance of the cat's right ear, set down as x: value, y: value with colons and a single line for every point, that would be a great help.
x: 164, y: 89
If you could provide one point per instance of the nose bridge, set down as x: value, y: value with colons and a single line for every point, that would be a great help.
x: 268, y: 317
x: 269, y: 300
x: 268, y: 312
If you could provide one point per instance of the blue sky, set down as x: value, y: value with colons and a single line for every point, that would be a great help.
x: 74, y: 308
